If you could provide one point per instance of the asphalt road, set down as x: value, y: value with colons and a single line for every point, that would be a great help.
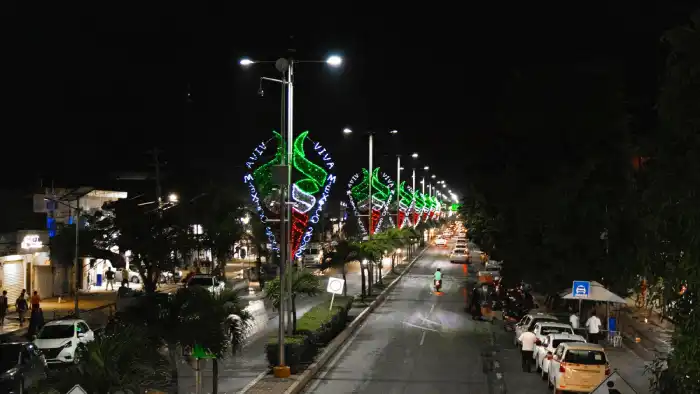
x: 416, y: 342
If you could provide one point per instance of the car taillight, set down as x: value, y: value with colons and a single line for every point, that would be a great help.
x: 607, y: 369
x: 549, y: 356
x: 562, y: 369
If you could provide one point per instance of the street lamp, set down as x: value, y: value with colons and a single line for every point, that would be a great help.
x: 414, y: 155
x: 347, y: 131
x: 286, y: 67
x: 173, y: 198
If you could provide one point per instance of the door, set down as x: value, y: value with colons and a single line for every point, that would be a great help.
x: 13, y: 282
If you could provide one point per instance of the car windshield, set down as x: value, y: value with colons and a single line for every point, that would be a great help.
x: 586, y: 357
x: 201, y: 281
x: 540, y: 319
x: 545, y: 330
x: 56, y: 331
x: 558, y: 342
x: 459, y: 251
x: 314, y: 251
x: 9, y: 356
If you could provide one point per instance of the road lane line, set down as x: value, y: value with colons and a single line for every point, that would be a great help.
x: 422, y: 338
x: 421, y: 327
x: 431, y: 309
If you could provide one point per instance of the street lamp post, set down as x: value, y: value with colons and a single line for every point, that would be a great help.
x: 398, y: 191
x: 286, y: 66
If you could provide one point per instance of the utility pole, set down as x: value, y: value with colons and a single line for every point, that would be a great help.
x: 371, y: 202
x: 398, y: 191
x: 75, y: 260
x: 156, y: 163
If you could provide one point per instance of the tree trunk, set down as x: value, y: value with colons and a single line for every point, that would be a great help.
x: 294, y: 313
x: 345, y: 288
x: 393, y: 263
x: 215, y: 376
x: 364, y: 288
x: 379, y: 273
x: 370, y: 277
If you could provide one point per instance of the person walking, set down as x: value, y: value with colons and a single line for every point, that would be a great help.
x: 3, y: 307
x: 593, y: 325
x: 527, y: 341
x: 110, y: 278
x: 573, y: 319
x: 21, y: 307
x: 36, y: 300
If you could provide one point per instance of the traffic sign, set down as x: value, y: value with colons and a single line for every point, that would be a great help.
x: 335, y: 285
x: 77, y: 390
x: 614, y: 384
x: 581, y: 289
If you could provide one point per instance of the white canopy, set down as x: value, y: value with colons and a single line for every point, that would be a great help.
x: 598, y: 293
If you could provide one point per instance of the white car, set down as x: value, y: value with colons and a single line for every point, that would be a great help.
x: 461, y: 245
x: 496, y: 265
x: 441, y: 242
x: 313, y: 258
x: 545, y: 350
x: 459, y: 255
x: 133, y: 277
x: 209, y: 282
x: 60, y: 340
x: 528, y: 324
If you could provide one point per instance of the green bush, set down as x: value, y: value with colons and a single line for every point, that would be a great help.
x: 315, y: 329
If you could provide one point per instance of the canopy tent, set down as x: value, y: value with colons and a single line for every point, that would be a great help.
x: 598, y: 293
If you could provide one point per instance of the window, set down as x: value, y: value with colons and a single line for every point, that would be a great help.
x: 559, y: 351
x: 83, y: 328
x: 560, y: 341
x: 201, y: 281
x: 544, y: 330
x: 586, y: 357
x: 57, y: 331
x: 26, y: 358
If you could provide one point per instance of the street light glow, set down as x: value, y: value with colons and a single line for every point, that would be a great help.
x: 347, y: 131
x: 401, y: 168
x: 426, y: 168
x: 434, y: 176
x: 334, y: 60
x: 245, y: 62
x: 414, y: 155
x: 173, y: 197
x: 443, y: 185
x: 393, y: 131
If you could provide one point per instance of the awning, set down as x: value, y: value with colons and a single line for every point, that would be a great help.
x: 598, y: 293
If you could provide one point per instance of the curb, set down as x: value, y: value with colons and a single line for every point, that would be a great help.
x: 340, y: 340
x: 337, y: 342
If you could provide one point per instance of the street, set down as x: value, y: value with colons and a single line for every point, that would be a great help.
x: 416, y: 342
x: 236, y: 371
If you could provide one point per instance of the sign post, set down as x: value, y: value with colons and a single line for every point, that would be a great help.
x: 581, y: 289
x: 335, y: 286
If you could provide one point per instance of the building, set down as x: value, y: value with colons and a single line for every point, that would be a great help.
x: 25, y: 263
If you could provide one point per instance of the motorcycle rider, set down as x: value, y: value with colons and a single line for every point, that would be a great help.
x: 437, y: 277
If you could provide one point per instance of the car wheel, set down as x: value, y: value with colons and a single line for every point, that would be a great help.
x: 77, y: 355
x: 135, y: 280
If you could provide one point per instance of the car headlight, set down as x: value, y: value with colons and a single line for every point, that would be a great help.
x: 67, y: 345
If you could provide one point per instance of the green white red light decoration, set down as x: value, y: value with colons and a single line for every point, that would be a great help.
x: 308, y: 195
x: 382, y: 196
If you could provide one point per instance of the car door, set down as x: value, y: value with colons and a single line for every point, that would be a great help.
x: 541, y: 350
x: 88, y: 335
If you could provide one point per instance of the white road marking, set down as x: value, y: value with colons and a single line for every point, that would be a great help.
x: 421, y: 327
x: 431, y: 309
x: 422, y: 338
x: 430, y: 321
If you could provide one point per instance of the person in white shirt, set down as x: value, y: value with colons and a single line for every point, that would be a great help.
x: 527, y: 340
x: 593, y: 325
x: 573, y: 319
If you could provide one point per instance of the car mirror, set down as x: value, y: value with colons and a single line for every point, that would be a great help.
x: 81, y: 334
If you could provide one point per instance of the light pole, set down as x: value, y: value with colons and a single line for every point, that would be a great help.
x: 398, y: 191
x: 286, y: 66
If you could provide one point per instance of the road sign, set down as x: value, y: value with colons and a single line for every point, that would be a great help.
x: 335, y: 285
x: 77, y: 390
x: 614, y: 384
x: 581, y: 289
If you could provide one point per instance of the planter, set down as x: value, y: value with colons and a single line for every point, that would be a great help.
x: 296, y: 352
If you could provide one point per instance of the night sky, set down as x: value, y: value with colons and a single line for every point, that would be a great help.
x: 90, y: 90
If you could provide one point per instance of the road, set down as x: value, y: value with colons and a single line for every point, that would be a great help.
x: 416, y: 342
x: 237, y: 371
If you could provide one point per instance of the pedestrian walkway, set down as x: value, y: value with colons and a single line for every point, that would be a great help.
x: 630, y: 367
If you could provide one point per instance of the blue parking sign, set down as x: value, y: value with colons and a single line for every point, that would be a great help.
x: 581, y: 289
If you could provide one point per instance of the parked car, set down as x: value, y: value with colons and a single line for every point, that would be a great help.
x: 459, y: 255
x: 544, y: 328
x: 313, y: 257
x: 133, y: 276
x: 577, y: 367
x: 209, y: 282
x: 442, y: 242
x: 545, y: 349
x: 528, y: 324
x: 62, y: 340
x: 21, y: 365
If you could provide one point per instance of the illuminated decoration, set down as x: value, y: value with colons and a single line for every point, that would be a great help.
x: 438, y: 209
x: 406, y: 202
x: 418, y: 207
x: 32, y: 241
x: 382, y: 195
x: 308, y: 195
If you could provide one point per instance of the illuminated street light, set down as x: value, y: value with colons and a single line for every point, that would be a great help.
x: 245, y: 62
x: 414, y: 155
x: 173, y: 198
x: 393, y: 131
x: 334, y: 61
x: 434, y: 176
x: 426, y: 168
x: 347, y: 131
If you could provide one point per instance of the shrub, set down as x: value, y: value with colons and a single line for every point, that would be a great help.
x: 315, y: 329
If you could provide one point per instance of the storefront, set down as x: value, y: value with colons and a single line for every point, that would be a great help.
x: 25, y: 264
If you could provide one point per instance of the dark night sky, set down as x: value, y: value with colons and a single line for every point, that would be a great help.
x: 90, y: 90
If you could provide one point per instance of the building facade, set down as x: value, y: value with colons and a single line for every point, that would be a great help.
x: 25, y: 263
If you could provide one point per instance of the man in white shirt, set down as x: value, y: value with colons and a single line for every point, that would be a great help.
x: 593, y: 325
x: 573, y: 319
x: 527, y: 339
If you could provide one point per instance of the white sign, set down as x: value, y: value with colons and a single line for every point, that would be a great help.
x: 32, y: 241
x: 77, y: 390
x: 614, y: 384
x: 335, y: 285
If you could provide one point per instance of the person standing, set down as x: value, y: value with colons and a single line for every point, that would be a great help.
x: 21, y: 307
x: 3, y: 307
x: 527, y: 341
x: 573, y: 319
x: 109, y: 275
x: 36, y: 300
x: 593, y: 325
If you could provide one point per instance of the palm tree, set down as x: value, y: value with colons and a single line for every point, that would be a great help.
x: 120, y: 360
x: 303, y: 282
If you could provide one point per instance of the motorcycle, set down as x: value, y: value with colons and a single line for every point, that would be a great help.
x: 512, y: 315
x: 438, y: 285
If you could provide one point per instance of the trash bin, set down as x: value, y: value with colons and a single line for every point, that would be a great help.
x: 98, y: 280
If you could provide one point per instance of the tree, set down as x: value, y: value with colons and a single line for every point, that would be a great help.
x: 369, y: 252
x: 152, y: 236
x: 343, y: 254
x: 671, y: 201
x: 118, y: 361
x: 303, y: 283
